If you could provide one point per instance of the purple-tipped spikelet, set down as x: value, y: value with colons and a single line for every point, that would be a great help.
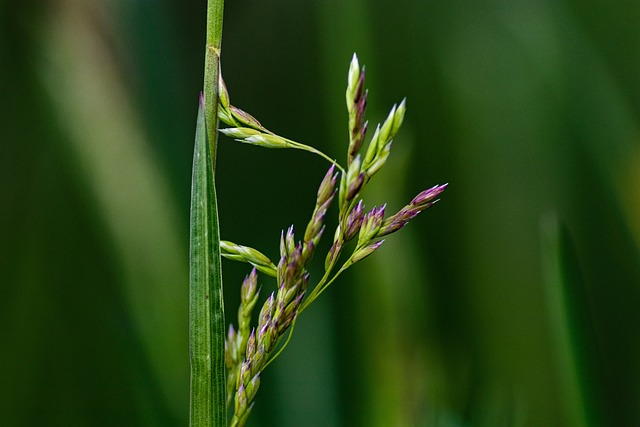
x: 251, y: 345
x: 419, y: 203
x: 355, y: 186
x: 356, y: 122
x: 358, y: 96
x: 314, y: 242
x: 277, y: 314
x: 354, y: 221
x: 327, y: 186
x: 249, y: 286
x: 290, y: 273
x: 308, y: 249
x: 380, y: 160
x: 245, y: 372
x: 289, y: 241
x: 387, y: 127
x: 371, y: 223
x: 245, y: 118
x: 282, y: 265
x: 315, y: 226
x: 231, y: 354
x: 252, y: 387
x: 285, y: 295
x: 296, y: 264
x: 264, y: 320
x: 429, y: 195
x: 283, y: 248
x: 333, y: 254
x: 362, y: 253
x: 351, y: 183
x: 260, y: 356
x: 310, y: 246
x: 290, y: 312
x: 241, y: 399
x: 372, y: 149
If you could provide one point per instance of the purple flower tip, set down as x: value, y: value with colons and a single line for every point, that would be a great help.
x: 376, y: 245
x: 358, y: 209
x: 298, y: 300
x: 264, y: 328
x: 310, y: 246
x: 360, y: 86
x: 427, y: 196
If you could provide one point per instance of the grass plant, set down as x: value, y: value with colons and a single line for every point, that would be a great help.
x: 248, y: 350
x: 534, y: 109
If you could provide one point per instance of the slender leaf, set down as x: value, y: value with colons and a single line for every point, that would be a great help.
x: 206, y: 308
x: 570, y: 325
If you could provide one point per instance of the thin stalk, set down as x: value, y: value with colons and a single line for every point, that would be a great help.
x: 310, y: 149
x: 215, y: 9
x: 286, y: 343
x: 322, y: 285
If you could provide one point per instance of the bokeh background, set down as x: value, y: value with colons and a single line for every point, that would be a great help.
x: 513, y: 302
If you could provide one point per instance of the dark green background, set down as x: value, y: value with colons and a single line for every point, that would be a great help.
x: 513, y: 302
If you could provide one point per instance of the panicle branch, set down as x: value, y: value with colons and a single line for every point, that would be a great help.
x: 247, y: 129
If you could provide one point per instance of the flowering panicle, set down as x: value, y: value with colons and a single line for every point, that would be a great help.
x: 250, y: 349
x: 236, y: 343
x: 277, y: 314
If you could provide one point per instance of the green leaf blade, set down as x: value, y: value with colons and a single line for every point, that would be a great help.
x: 206, y: 307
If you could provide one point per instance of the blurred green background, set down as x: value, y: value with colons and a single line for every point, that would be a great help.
x: 513, y: 302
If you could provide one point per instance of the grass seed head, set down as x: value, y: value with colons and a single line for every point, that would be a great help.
x: 248, y: 353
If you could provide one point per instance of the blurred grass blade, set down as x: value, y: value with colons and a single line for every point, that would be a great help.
x: 206, y: 309
x: 570, y: 324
